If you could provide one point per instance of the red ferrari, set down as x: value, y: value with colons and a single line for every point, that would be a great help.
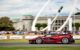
x: 53, y: 38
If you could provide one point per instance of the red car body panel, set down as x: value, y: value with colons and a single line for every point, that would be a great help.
x: 54, y: 38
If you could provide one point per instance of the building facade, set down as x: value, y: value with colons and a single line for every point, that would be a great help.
x: 25, y: 23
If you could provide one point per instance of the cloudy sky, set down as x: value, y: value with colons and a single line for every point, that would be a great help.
x: 17, y: 8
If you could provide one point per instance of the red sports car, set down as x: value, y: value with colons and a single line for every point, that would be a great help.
x: 52, y: 38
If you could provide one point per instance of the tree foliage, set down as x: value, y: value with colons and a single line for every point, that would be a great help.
x: 6, y: 23
x: 78, y: 13
x: 39, y: 25
x: 77, y: 25
x: 44, y: 25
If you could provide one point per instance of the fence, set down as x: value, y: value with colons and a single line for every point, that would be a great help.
x: 27, y: 36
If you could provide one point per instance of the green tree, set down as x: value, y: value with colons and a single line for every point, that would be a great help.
x: 78, y: 13
x: 38, y: 25
x: 77, y: 25
x: 44, y: 25
x: 6, y: 23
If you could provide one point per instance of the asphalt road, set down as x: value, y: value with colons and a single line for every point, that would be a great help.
x: 38, y: 45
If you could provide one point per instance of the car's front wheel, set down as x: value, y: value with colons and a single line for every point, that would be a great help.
x: 65, y: 40
x: 38, y: 41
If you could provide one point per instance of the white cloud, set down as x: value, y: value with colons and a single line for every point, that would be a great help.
x: 15, y: 1
x: 21, y: 7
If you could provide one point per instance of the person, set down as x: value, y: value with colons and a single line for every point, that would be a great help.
x: 45, y: 31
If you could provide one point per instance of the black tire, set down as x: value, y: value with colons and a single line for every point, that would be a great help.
x: 65, y: 40
x: 38, y: 41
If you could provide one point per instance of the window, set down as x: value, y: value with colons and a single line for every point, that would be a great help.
x: 55, y: 28
x: 56, y: 21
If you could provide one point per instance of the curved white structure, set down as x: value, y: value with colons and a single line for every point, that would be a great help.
x: 70, y: 24
x: 74, y: 6
x: 34, y: 22
x: 52, y: 20
x: 49, y: 24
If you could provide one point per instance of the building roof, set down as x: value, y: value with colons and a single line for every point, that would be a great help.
x: 26, y: 17
x: 29, y: 17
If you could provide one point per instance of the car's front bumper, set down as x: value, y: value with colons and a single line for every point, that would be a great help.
x: 72, y: 40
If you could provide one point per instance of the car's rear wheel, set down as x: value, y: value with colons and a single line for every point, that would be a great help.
x: 65, y: 40
x: 38, y: 41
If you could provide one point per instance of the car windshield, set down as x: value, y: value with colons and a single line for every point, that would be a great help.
x: 58, y: 33
x: 51, y: 34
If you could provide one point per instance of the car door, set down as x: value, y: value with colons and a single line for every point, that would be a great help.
x: 50, y: 39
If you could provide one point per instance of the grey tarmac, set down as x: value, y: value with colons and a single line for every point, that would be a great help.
x: 37, y: 45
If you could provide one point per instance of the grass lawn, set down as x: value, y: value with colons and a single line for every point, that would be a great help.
x: 13, y: 41
x: 40, y: 48
x: 77, y: 41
